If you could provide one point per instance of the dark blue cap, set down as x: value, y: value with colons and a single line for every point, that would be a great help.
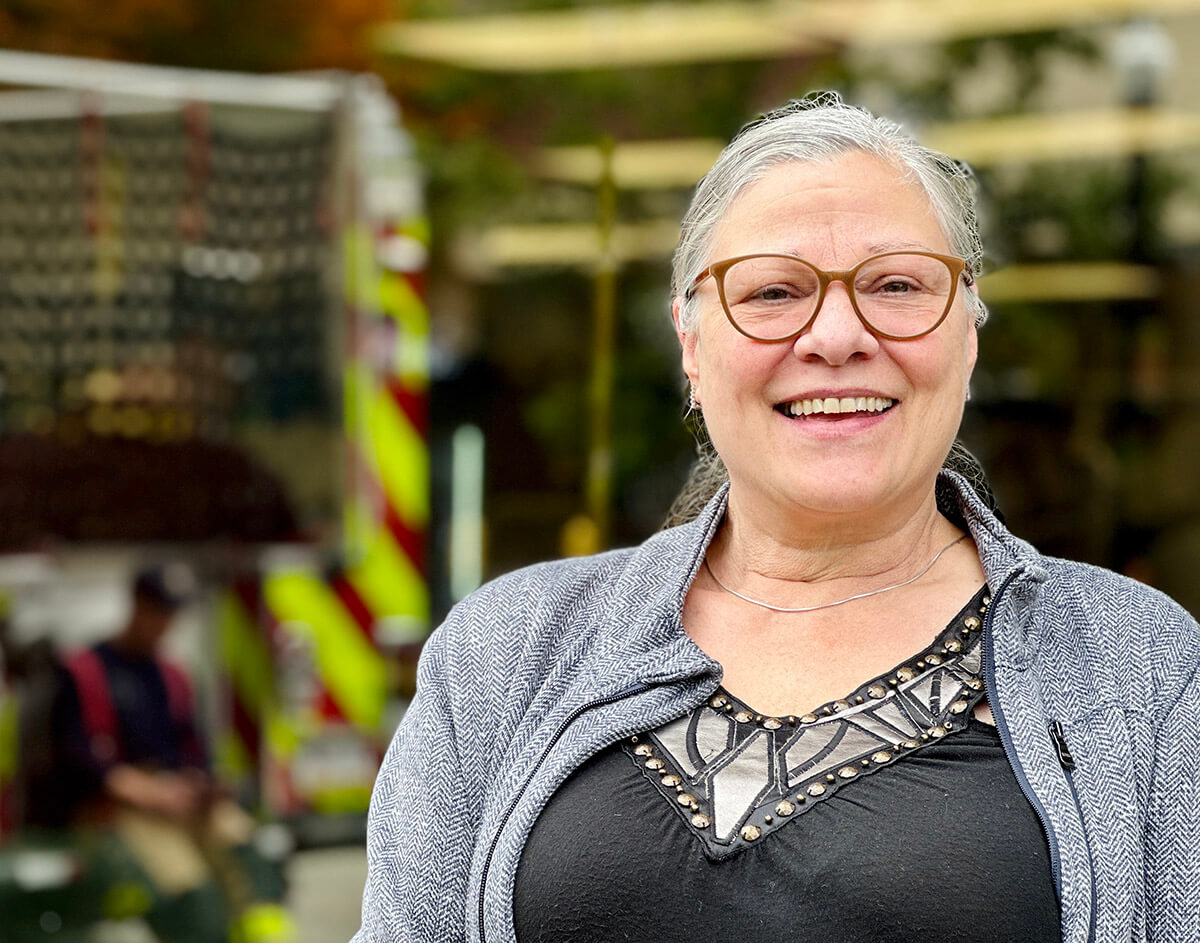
x: 170, y: 585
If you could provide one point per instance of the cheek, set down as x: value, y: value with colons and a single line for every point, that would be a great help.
x: 710, y: 359
x: 946, y: 366
x: 740, y: 375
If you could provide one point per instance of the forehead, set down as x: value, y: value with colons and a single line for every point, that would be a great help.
x: 854, y: 204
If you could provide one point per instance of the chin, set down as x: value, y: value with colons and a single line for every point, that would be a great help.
x: 854, y: 494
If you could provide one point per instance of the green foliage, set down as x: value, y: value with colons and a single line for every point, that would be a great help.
x: 1081, y: 210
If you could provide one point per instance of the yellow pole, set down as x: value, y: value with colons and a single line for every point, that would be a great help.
x: 600, y: 396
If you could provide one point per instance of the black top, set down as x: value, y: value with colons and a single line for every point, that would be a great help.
x: 927, y: 839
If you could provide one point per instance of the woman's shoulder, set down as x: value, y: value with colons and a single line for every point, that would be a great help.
x: 529, y: 608
x: 540, y: 588
x: 1135, y: 634
x: 1113, y: 597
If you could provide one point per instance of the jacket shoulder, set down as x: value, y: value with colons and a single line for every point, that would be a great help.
x: 1115, y: 599
x: 552, y: 614
x: 539, y: 595
x: 1127, y: 626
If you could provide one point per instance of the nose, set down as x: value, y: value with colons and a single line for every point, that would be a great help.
x: 836, y: 335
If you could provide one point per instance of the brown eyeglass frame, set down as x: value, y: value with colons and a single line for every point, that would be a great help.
x: 957, y: 267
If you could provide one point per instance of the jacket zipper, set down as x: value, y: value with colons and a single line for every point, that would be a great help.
x: 571, y: 718
x: 1059, y: 742
x: 1068, y: 764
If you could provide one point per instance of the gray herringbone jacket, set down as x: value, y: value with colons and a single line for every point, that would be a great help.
x: 542, y: 668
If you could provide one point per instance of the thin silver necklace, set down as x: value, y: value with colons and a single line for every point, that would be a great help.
x: 829, y: 605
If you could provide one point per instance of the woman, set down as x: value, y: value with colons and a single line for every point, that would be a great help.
x: 843, y: 702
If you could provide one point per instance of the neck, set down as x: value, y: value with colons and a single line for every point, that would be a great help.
x: 806, y: 557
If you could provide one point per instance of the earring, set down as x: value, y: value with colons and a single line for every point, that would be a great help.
x: 693, y: 403
x: 968, y: 396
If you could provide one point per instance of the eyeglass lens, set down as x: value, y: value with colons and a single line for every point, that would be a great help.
x: 772, y: 297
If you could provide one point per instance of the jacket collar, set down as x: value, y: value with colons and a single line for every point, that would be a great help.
x: 644, y: 619
x: 1002, y: 555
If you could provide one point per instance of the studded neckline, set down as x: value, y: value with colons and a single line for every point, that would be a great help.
x: 953, y: 640
x: 735, y: 775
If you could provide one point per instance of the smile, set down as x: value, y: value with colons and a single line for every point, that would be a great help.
x: 833, y: 405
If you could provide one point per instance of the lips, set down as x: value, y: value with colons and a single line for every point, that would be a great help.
x: 836, y: 405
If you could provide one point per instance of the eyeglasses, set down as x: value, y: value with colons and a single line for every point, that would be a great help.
x: 896, y: 295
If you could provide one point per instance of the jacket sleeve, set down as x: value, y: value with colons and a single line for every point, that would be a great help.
x: 422, y: 822
x: 1173, y: 816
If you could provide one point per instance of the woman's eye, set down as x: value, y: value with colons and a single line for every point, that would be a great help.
x: 776, y: 292
x: 894, y: 286
x: 773, y: 293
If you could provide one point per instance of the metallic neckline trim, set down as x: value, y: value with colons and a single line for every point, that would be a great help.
x: 708, y: 762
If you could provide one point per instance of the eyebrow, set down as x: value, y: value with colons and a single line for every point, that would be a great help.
x: 875, y: 248
x: 879, y: 247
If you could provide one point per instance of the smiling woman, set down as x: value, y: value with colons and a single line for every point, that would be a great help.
x: 878, y: 465
x: 840, y: 703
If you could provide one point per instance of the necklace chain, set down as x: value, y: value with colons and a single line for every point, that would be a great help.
x: 829, y: 605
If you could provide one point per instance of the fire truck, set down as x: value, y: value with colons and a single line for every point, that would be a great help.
x: 214, y: 348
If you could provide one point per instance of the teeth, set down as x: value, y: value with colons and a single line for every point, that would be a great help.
x: 832, y: 405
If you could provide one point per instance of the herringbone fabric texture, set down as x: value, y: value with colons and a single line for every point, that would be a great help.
x: 544, y: 667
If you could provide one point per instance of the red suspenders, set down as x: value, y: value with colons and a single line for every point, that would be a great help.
x: 96, y: 703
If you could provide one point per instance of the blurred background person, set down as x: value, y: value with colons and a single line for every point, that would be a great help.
x: 126, y: 725
x: 128, y: 760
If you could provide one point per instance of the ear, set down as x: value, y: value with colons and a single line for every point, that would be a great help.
x: 688, y: 340
x: 972, y: 336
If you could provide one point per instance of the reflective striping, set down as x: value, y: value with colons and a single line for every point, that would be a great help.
x: 358, y: 518
x: 246, y: 654
x: 357, y: 263
x: 398, y: 298
x: 408, y: 540
x: 376, y: 516
x: 245, y: 650
x: 8, y: 761
x: 329, y: 709
x: 8, y: 737
x: 233, y: 757
x: 351, y: 669
x: 246, y: 657
x: 246, y: 724
x: 403, y: 460
x: 389, y: 580
x: 282, y: 736
x: 354, y: 605
x: 413, y: 403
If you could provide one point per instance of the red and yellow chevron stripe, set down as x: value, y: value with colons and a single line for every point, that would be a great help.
x: 346, y: 622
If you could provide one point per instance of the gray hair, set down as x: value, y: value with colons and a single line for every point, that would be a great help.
x: 820, y: 127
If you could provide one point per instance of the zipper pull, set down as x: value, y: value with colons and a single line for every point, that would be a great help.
x: 1061, y: 747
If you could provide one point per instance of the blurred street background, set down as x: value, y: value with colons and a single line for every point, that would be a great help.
x: 349, y: 305
x: 326, y: 893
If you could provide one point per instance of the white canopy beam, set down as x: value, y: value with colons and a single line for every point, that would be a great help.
x: 296, y: 92
x: 673, y: 32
